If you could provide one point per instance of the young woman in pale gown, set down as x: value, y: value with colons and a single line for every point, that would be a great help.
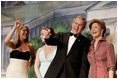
x: 20, y: 51
x: 44, y: 56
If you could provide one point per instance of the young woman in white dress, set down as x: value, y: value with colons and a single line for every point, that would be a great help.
x: 20, y: 51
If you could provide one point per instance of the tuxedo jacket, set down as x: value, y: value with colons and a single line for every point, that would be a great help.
x: 72, y: 65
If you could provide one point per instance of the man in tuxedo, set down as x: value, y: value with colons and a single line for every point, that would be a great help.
x: 72, y: 48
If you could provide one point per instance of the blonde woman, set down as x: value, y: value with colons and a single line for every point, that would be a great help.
x: 20, y: 51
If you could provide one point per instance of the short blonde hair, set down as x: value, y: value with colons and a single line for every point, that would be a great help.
x: 17, y: 35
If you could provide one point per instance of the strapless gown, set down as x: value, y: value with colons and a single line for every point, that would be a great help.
x: 17, y: 67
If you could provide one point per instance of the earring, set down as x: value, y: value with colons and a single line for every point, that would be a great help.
x: 102, y: 34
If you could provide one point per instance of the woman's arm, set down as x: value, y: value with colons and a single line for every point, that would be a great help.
x: 32, y: 55
x: 36, y: 64
x: 7, y: 39
x: 111, y: 73
x: 111, y: 60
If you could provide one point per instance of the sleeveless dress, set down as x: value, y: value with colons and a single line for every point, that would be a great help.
x: 17, y: 67
x: 45, y: 63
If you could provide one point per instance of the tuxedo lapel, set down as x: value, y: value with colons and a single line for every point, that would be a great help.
x: 66, y: 40
x: 75, y: 45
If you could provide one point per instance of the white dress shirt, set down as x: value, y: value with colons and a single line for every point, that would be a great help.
x: 70, y: 42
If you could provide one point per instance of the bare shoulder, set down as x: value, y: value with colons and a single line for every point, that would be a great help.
x: 30, y: 45
x: 31, y: 48
x: 39, y: 50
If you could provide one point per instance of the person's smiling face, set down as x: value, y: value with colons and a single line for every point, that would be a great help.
x: 78, y: 26
x: 96, y: 30
x: 24, y: 33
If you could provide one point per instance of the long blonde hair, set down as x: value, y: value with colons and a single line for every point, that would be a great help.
x: 17, y: 35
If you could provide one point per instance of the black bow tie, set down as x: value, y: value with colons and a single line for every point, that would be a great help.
x: 75, y: 35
